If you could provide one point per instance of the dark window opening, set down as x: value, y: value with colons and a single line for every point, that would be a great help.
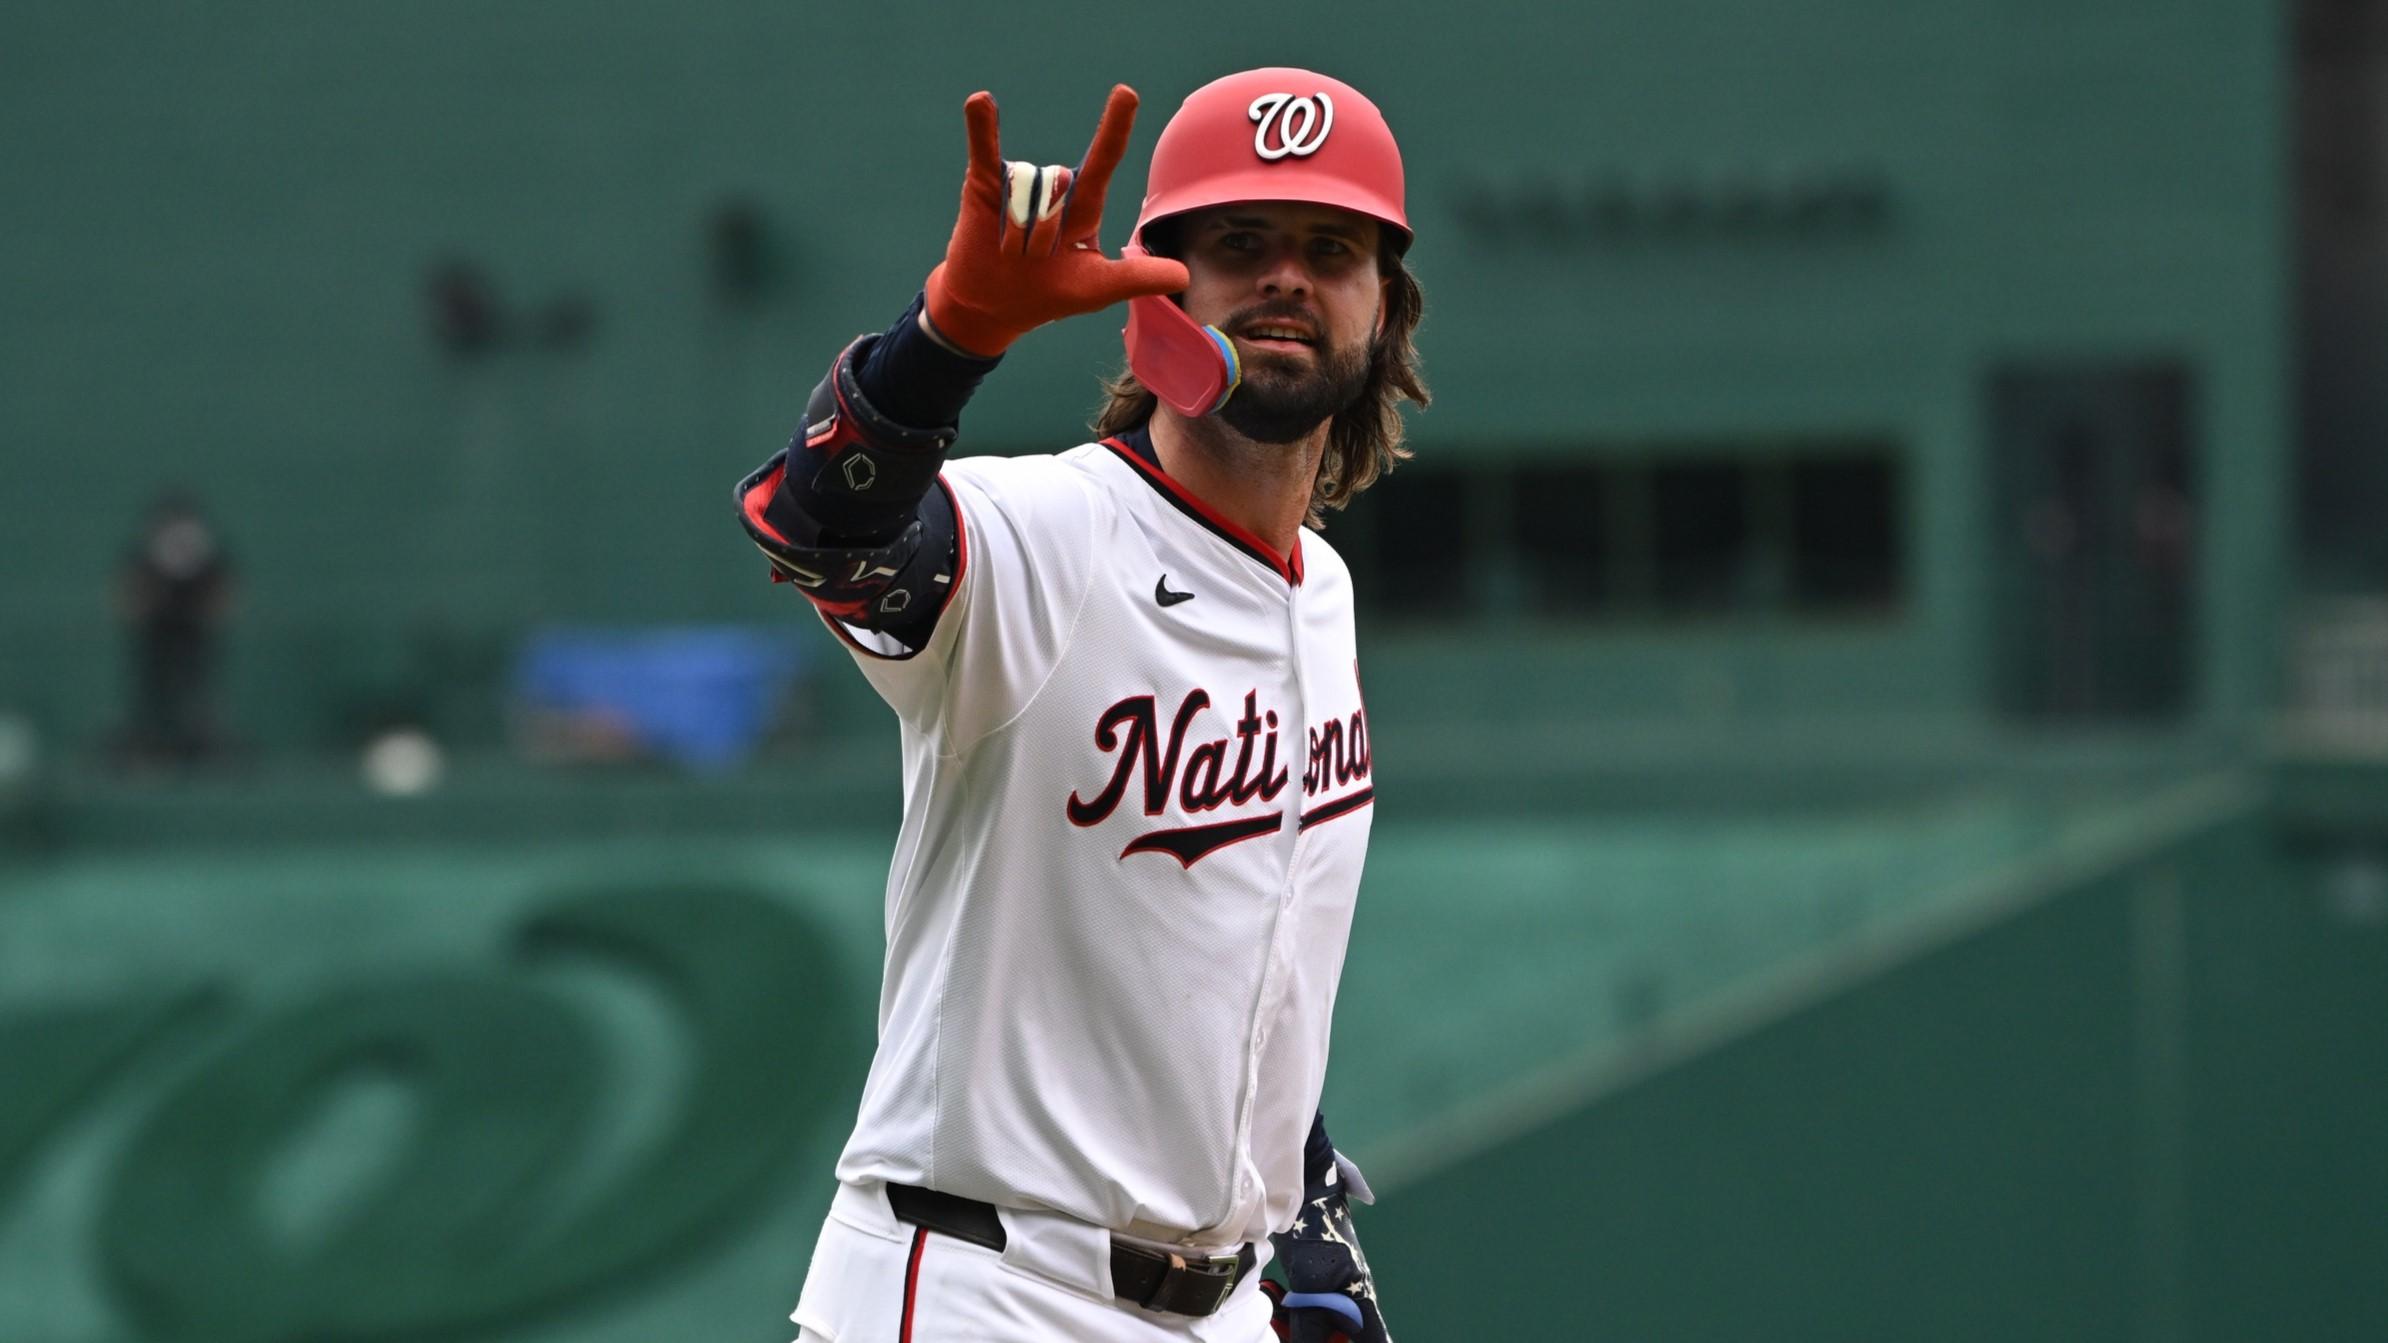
x: 1844, y: 534
x: 1811, y: 529
x: 1700, y: 535
x: 1562, y: 537
x: 1406, y: 535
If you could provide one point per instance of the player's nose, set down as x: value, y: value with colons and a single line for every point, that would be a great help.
x: 1287, y: 273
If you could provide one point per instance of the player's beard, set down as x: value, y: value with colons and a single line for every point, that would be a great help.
x: 1280, y: 401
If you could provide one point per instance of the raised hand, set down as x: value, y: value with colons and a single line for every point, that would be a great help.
x: 1024, y: 250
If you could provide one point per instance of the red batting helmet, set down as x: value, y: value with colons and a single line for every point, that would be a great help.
x: 1277, y: 134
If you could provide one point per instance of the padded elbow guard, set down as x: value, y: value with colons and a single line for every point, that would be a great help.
x: 847, y: 513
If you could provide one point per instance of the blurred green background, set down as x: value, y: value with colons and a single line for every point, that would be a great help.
x: 1881, y: 659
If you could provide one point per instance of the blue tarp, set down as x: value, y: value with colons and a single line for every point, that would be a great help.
x: 702, y: 696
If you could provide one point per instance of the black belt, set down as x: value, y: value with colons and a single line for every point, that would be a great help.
x: 1153, y: 1279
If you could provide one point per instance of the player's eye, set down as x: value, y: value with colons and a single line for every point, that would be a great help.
x: 1334, y: 254
x: 1240, y: 240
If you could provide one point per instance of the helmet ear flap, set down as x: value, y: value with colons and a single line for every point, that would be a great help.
x: 1192, y: 368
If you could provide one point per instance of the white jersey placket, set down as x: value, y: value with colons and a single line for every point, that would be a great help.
x: 1275, y: 973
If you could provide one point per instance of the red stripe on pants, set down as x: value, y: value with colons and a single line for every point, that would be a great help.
x: 920, y: 1237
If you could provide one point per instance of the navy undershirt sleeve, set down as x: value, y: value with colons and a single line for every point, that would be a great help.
x: 913, y: 380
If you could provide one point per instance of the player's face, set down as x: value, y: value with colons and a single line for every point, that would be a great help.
x: 1297, y: 288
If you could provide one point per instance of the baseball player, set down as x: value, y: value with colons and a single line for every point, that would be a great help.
x: 1136, y: 758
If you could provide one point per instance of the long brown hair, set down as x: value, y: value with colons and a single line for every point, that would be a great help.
x: 1365, y: 441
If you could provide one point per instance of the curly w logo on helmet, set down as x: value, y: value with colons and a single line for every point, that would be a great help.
x: 1300, y: 124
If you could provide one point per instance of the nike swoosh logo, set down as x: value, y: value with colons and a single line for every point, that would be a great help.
x: 1165, y: 597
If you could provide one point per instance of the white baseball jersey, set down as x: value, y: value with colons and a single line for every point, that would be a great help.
x: 1136, y: 801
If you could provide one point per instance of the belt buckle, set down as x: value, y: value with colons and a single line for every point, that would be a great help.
x: 1217, y: 1272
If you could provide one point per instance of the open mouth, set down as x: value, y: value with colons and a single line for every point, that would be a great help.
x: 1280, y: 336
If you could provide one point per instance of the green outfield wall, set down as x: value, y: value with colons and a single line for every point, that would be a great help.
x: 1650, y: 232
x: 2141, y: 1106
x: 538, y: 1091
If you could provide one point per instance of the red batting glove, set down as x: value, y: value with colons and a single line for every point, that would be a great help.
x: 1024, y: 251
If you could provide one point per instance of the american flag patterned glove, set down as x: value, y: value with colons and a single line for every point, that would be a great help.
x: 1329, y: 1294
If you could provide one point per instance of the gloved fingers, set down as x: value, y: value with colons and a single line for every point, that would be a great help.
x: 1310, y: 1326
x: 1354, y: 1183
x: 1024, y: 251
x: 1124, y: 278
x: 1084, y: 218
x: 1032, y: 203
x: 982, y: 183
x: 982, y: 122
x: 1329, y: 1307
